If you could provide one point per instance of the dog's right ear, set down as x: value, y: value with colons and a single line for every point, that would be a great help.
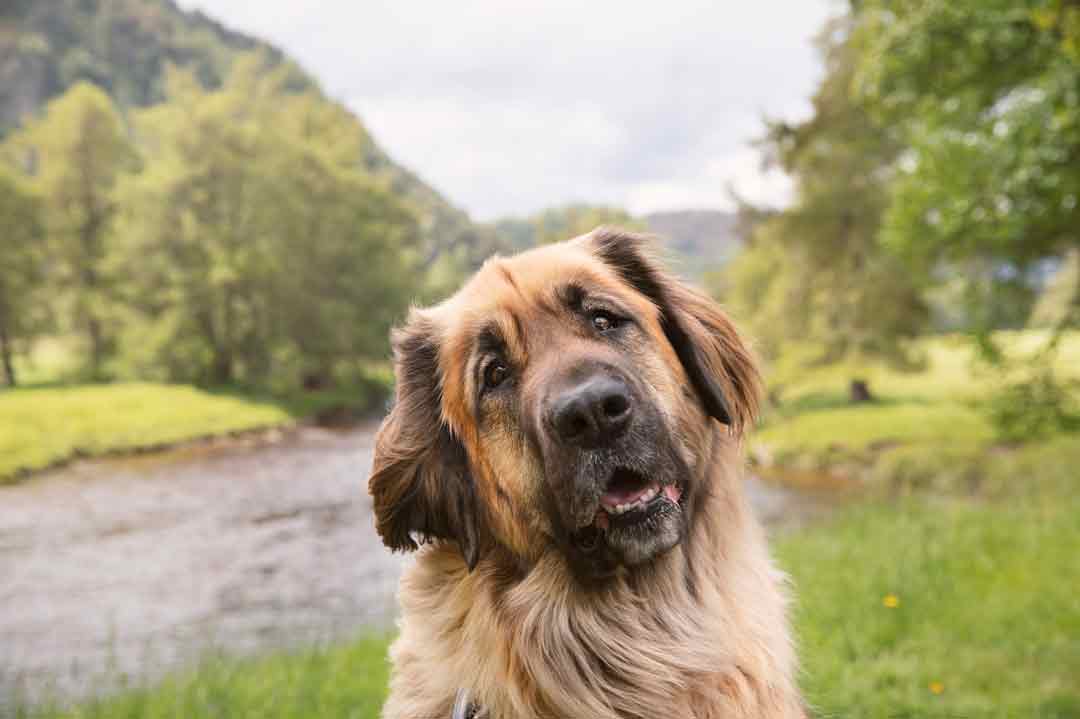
x: 420, y: 481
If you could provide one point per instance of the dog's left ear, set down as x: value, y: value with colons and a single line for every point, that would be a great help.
x: 716, y: 359
x: 420, y: 481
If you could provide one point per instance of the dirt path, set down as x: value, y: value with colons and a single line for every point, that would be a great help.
x: 131, y: 567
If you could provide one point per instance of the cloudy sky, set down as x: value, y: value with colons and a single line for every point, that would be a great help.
x: 510, y: 107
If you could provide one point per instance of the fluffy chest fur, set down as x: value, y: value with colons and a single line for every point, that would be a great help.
x: 701, y: 634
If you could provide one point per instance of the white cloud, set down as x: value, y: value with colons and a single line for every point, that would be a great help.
x: 511, y: 107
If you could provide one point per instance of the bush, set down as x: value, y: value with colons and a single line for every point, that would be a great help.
x: 1033, y: 407
x: 947, y: 469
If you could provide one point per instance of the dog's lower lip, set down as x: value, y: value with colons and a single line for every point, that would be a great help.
x: 612, y: 513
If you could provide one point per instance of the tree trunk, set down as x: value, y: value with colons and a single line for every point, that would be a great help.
x: 860, y: 391
x: 222, y: 371
x: 6, y: 353
x: 97, y: 346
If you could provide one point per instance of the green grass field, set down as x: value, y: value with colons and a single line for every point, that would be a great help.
x: 347, y: 681
x: 938, y: 609
x: 53, y: 416
x: 935, y: 415
x: 41, y: 426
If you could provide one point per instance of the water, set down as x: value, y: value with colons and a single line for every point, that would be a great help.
x: 122, y: 569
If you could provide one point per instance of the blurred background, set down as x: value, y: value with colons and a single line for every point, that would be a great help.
x: 212, y: 212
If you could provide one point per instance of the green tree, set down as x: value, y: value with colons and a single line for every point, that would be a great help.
x: 22, y: 264
x: 261, y: 246
x: 75, y: 153
x: 816, y: 273
x: 986, y: 94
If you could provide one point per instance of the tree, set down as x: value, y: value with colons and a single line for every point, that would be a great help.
x: 987, y: 95
x: 75, y: 152
x: 260, y: 245
x: 816, y: 272
x: 22, y: 261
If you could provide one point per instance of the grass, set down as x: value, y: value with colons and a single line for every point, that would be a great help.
x: 53, y: 416
x: 986, y: 610
x: 41, y: 426
x: 986, y: 623
x: 347, y: 682
x: 940, y: 408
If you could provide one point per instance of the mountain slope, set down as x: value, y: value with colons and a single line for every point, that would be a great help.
x: 703, y: 239
x: 124, y: 46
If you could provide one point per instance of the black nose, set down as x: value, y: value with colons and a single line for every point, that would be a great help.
x: 592, y: 413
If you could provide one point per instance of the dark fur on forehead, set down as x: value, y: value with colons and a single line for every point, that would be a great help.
x: 421, y: 484
x: 718, y: 363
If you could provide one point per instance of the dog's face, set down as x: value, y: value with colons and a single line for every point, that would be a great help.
x: 564, y: 398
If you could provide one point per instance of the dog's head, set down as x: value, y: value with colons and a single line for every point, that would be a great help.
x: 564, y: 398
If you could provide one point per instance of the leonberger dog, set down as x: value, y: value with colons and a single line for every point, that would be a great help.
x: 564, y: 457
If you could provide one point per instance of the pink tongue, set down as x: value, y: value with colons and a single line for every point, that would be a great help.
x: 672, y: 492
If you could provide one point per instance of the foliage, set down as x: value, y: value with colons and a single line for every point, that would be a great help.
x: 74, y: 154
x: 986, y: 94
x: 277, y: 253
x: 1034, y: 406
x: 127, y: 47
x: 816, y: 271
x: 121, y: 46
x: 22, y: 266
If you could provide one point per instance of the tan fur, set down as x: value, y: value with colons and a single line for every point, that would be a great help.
x: 518, y: 630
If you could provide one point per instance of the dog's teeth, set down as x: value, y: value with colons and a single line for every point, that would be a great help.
x: 647, y: 496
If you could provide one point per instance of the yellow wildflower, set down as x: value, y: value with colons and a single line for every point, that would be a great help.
x: 891, y: 601
x: 936, y: 687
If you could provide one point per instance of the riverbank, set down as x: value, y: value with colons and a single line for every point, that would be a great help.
x: 927, y: 429
x: 46, y: 426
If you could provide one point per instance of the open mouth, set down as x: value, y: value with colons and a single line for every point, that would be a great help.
x: 631, y: 497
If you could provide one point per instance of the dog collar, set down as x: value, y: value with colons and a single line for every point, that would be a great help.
x: 464, y: 708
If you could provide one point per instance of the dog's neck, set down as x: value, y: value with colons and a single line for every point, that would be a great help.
x: 700, y: 632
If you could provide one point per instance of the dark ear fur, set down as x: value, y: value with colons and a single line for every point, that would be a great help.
x: 420, y: 481
x: 718, y: 362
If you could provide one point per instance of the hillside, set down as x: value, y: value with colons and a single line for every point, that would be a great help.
x: 124, y: 46
x: 698, y: 240
x: 701, y: 239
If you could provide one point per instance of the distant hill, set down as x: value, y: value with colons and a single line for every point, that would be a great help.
x: 124, y: 47
x: 560, y: 223
x: 698, y: 240
x: 701, y: 239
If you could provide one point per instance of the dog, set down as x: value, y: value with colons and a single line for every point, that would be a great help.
x: 563, y: 456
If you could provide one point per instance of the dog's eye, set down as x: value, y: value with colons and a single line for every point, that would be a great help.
x: 495, y: 374
x: 604, y: 321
